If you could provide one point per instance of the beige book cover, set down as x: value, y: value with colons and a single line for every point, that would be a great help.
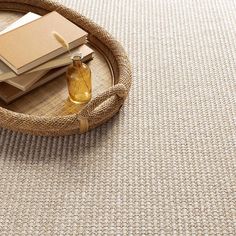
x: 23, y: 82
x: 9, y: 93
x: 33, y: 43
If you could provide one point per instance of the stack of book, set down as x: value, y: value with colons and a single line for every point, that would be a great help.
x: 30, y: 56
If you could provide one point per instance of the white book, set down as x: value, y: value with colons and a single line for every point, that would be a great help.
x: 29, y: 17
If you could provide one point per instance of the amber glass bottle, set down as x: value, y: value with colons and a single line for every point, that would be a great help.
x: 79, y: 82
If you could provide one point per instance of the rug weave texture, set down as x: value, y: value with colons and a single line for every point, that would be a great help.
x: 166, y: 165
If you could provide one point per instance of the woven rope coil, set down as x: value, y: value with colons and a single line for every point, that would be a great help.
x: 101, y: 108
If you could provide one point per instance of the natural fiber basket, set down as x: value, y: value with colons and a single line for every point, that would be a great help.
x: 101, y: 108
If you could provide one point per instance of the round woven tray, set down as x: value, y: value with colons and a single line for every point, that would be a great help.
x: 102, y: 107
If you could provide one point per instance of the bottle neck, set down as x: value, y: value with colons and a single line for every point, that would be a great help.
x: 77, y: 63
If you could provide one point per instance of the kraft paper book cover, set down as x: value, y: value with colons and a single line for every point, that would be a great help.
x: 23, y: 81
x: 33, y: 44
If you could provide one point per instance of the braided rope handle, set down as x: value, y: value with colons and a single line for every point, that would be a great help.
x: 94, y: 110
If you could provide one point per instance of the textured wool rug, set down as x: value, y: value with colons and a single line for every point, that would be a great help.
x: 166, y: 164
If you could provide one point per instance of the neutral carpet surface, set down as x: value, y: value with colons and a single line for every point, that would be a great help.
x: 166, y: 164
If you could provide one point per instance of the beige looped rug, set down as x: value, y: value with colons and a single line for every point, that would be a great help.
x: 166, y: 164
